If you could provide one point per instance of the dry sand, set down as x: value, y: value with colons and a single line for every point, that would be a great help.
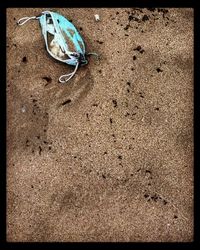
x: 115, y: 163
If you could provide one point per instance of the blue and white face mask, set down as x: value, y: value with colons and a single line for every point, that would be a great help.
x: 63, y: 42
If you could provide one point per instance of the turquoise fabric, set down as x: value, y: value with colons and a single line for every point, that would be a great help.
x: 65, y: 34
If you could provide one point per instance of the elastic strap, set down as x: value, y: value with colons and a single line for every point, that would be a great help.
x: 23, y: 20
x: 70, y: 75
x: 93, y: 54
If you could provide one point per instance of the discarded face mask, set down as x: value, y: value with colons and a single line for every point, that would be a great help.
x: 63, y: 42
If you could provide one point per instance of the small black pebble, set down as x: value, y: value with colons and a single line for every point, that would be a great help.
x: 128, y: 83
x: 175, y: 216
x: 65, y: 102
x: 141, y: 95
x: 156, y: 108
x: 24, y: 59
x: 146, y: 195
x: 114, y: 102
x: 48, y: 79
x: 111, y: 121
x: 119, y: 157
x: 165, y: 202
x: 159, y: 70
x: 154, y: 197
x: 138, y: 48
x: 31, y: 186
x: 145, y: 18
x: 40, y: 150
x: 103, y: 176
x: 162, y: 10
x: 134, y: 58
x: 100, y: 42
x: 130, y: 18
x: 127, y: 26
x: 117, y: 13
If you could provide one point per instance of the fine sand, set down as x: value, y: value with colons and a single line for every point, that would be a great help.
x: 107, y: 156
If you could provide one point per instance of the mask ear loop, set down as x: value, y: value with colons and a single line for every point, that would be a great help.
x: 70, y: 75
x: 93, y: 53
x: 23, y: 20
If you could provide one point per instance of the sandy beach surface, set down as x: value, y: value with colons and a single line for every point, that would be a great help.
x: 107, y: 156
